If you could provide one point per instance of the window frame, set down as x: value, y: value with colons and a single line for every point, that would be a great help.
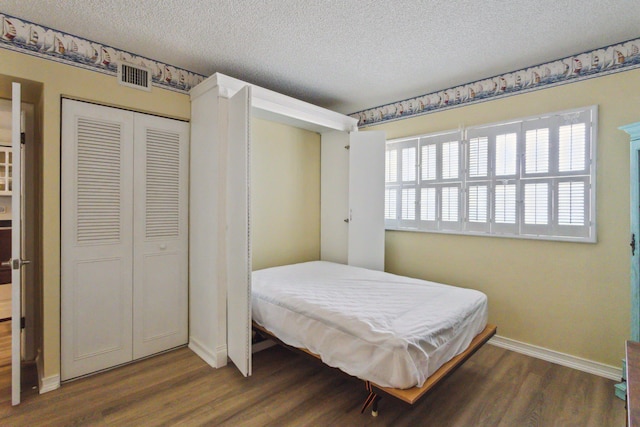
x: 553, y: 230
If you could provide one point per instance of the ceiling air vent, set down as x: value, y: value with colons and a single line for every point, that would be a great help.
x: 134, y: 76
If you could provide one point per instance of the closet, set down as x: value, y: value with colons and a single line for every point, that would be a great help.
x: 352, y: 205
x: 124, y: 201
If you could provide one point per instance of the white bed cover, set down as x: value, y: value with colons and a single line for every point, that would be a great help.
x: 392, y: 330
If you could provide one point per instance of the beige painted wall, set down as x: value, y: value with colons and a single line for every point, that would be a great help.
x: 568, y: 297
x: 63, y: 80
x: 285, y: 194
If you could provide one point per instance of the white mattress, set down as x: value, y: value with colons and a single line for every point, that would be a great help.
x: 392, y: 330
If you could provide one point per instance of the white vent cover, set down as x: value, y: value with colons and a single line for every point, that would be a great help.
x: 134, y: 76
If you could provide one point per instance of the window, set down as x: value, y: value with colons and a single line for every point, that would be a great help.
x: 529, y: 178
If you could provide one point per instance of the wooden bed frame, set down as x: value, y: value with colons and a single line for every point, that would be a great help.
x: 410, y: 395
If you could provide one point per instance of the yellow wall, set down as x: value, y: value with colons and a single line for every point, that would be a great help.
x: 568, y: 297
x: 64, y: 80
x: 285, y: 194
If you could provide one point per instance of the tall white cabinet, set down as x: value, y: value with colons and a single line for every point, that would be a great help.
x: 352, y: 200
x: 124, y: 289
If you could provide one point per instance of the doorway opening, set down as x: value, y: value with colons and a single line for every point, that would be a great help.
x: 31, y: 236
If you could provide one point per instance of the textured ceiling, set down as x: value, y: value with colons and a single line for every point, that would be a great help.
x: 345, y: 55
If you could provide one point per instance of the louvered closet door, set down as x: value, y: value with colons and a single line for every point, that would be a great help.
x: 96, y: 216
x: 160, y: 235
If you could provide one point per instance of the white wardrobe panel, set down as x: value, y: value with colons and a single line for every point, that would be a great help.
x: 352, y: 198
x: 207, y: 247
x: 160, y: 251
x: 96, y: 239
x: 334, y: 196
x: 366, y: 200
x: 239, y: 231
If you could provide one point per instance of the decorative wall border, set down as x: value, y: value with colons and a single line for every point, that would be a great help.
x: 607, y: 60
x: 37, y: 40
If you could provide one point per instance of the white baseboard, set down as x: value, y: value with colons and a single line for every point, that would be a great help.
x: 589, y: 366
x: 221, y: 355
x: 215, y: 359
x: 47, y: 384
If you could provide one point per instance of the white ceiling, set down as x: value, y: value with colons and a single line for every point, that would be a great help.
x: 346, y: 55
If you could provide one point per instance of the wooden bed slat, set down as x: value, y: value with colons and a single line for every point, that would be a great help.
x: 412, y: 395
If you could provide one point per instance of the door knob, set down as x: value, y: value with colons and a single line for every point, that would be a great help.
x: 15, y: 263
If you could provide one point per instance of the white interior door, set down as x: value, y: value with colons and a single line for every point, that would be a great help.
x: 366, y: 200
x: 239, y: 232
x: 16, y: 243
x: 160, y: 244
x: 96, y: 238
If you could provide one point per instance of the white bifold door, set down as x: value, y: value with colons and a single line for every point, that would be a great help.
x: 124, y: 201
x: 239, y: 231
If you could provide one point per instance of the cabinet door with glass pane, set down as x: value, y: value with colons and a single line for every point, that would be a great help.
x: 5, y: 170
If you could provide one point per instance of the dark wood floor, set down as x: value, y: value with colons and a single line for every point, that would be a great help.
x: 495, y: 387
x: 5, y: 343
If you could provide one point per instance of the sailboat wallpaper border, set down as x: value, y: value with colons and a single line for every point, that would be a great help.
x: 607, y: 60
x: 33, y: 39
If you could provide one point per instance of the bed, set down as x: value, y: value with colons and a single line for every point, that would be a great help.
x: 396, y: 333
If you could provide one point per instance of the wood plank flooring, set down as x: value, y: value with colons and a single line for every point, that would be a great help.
x: 5, y: 343
x: 496, y: 387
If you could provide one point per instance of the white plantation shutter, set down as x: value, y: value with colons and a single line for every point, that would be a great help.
x: 536, y: 203
x: 478, y: 207
x: 450, y: 160
x: 450, y: 208
x: 401, y: 178
x: 536, y: 213
x: 571, y: 203
x: 506, y: 150
x: 505, y: 204
x: 478, y: 156
x: 391, y: 165
x: 531, y: 178
x: 428, y: 164
x: 408, y: 164
x: 408, y: 204
x: 505, y: 208
x: 573, y: 207
x: 478, y: 203
x: 571, y: 147
x: 391, y: 204
x: 537, y: 151
x: 428, y: 207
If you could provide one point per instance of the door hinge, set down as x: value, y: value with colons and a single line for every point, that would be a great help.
x: 633, y: 244
x: 23, y: 138
x: 23, y: 323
